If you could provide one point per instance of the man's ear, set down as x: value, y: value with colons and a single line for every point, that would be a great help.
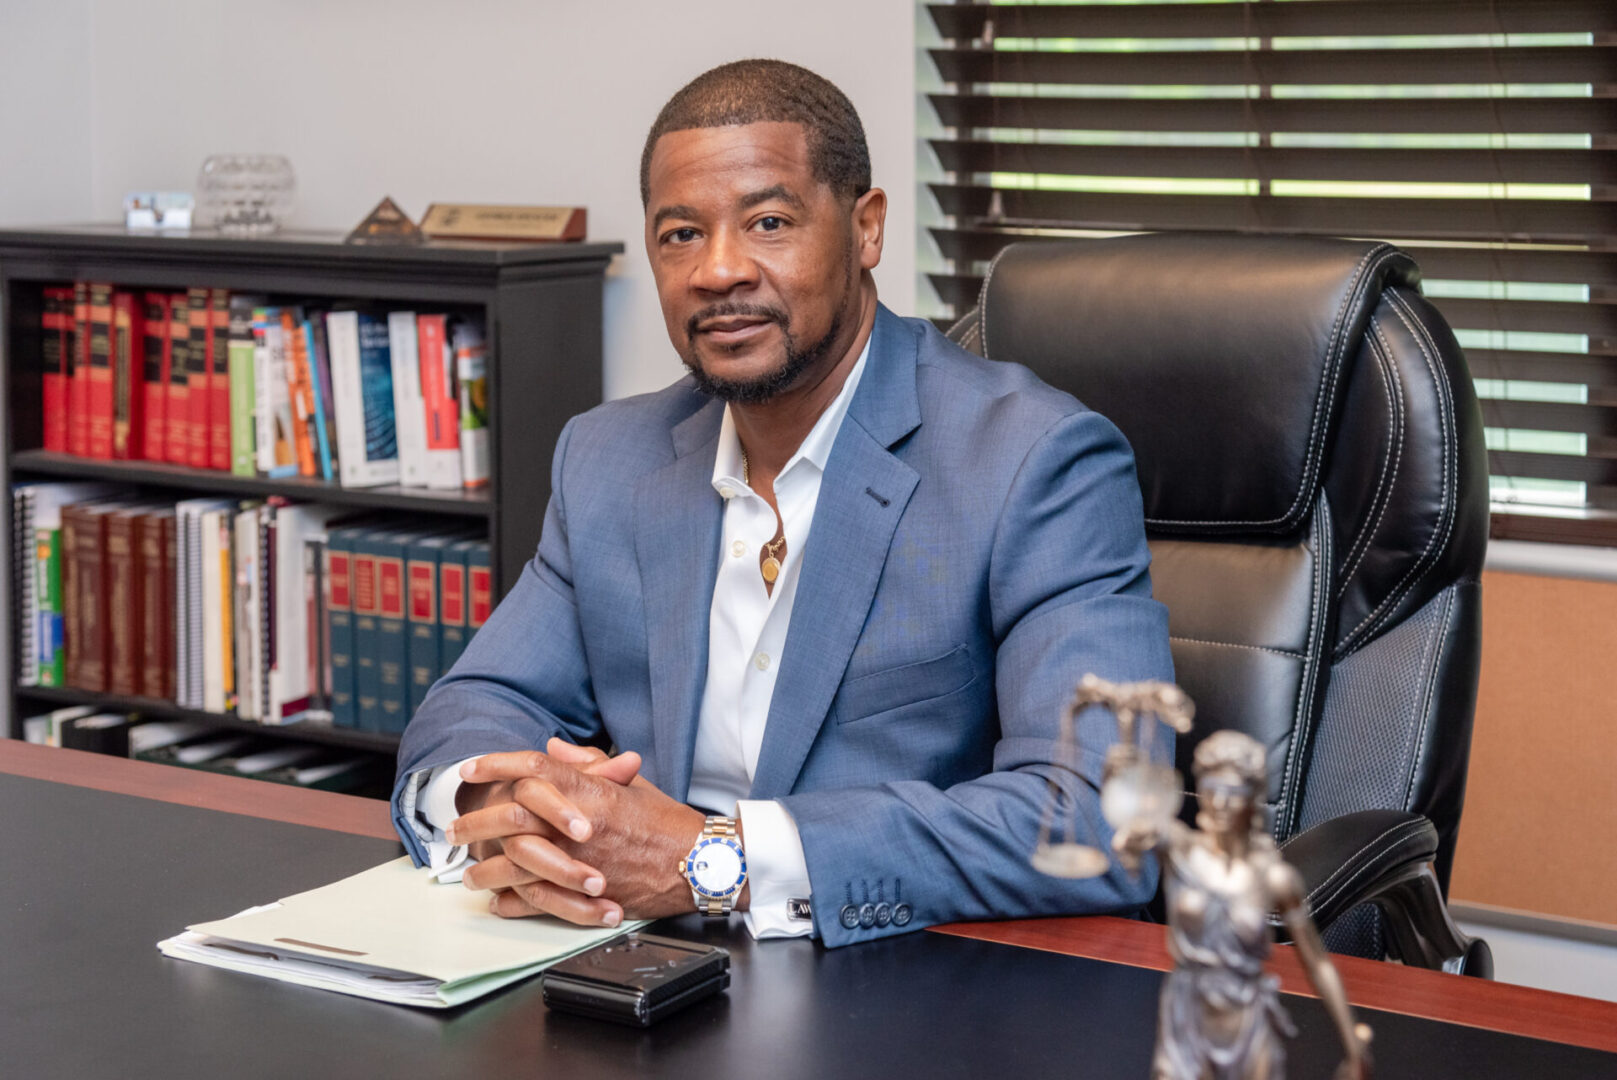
x: 870, y: 226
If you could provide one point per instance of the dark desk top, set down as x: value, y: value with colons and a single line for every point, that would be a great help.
x: 94, y: 878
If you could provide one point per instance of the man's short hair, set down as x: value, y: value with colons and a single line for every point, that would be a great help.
x: 759, y: 91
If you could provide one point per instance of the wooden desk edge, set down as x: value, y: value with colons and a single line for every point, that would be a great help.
x: 1371, y: 984
x: 193, y: 787
x: 1494, y: 1006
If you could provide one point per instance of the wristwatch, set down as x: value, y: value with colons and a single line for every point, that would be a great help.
x: 716, y: 867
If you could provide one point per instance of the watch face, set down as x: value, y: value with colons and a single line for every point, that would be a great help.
x: 716, y: 867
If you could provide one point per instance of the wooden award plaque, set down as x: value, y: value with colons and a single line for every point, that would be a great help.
x: 458, y: 221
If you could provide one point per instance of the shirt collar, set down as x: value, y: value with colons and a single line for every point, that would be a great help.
x: 815, y: 448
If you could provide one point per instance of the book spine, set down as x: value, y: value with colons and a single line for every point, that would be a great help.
x: 440, y: 407
x: 365, y: 398
x: 367, y: 690
x: 213, y: 631
x: 280, y: 392
x: 48, y: 567
x: 452, y: 604
x: 100, y: 402
x: 425, y: 635
x: 149, y: 580
x: 227, y: 609
x: 72, y: 631
x: 317, y: 424
x: 24, y: 587
x: 57, y: 360
x: 471, y: 384
x: 302, y: 394
x: 409, y: 421
x: 340, y: 620
x: 123, y: 606
x: 91, y: 572
x: 78, y: 420
x: 391, y: 654
x: 317, y: 635
x: 219, y: 416
x: 324, y: 406
x: 264, y: 657
x: 177, y: 407
x: 244, y: 569
x: 156, y: 353
x: 480, y: 587
x: 199, y: 363
x: 168, y: 538
x: 243, y: 391
x: 128, y: 377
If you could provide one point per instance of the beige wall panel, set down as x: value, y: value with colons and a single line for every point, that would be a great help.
x: 1539, y: 833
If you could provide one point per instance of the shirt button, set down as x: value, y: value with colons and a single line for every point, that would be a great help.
x: 738, y: 549
x: 761, y: 661
x: 727, y: 493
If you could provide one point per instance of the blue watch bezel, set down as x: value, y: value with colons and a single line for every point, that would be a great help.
x: 690, y: 867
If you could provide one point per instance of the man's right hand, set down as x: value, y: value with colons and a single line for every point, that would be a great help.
x: 527, y: 872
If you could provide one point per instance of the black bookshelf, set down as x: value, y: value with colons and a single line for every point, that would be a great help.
x: 541, y: 305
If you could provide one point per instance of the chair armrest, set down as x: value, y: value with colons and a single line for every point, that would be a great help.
x: 1385, y: 857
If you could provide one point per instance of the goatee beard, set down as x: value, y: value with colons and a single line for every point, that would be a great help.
x: 760, y: 388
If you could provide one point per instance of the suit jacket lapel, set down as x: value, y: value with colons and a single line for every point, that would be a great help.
x: 678, y: 521
x: 862, y: 497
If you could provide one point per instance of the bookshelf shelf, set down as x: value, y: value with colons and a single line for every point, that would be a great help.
x: 540, y: 305
x: 465, y: 503
x: 50, y: 697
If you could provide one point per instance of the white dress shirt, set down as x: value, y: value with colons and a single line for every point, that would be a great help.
x: 746, y: 641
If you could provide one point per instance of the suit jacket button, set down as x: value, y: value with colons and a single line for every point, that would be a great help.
x: 902, y: 915
x: 867, y: 916
x: 884, y: 914
x: 849, y: 916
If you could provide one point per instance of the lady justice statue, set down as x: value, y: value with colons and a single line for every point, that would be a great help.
x: 1220, y: 1016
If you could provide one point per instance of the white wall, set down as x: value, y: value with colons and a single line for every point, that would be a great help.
x: 45, y: 95
x: 474, y: 101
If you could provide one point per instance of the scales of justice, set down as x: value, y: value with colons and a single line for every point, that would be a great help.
x: 1220, y: 1016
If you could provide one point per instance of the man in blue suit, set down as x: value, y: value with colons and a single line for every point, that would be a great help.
x: 827, y: 595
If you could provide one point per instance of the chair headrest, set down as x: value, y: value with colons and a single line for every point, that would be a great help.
x: 1219, y: 356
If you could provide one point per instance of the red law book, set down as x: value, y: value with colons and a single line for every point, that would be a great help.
x: 100, y: 390
x: 198, y: 378
x: 177, y: 413
x: 219, y: 381
x: 58, y: 357
x: 128, y: 377
x: 157, y: 353
x: 78, y: 391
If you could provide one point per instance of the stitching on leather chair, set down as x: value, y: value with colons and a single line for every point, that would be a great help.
x: 1353, y: 873
x: 1372, y: 621
x: 1287, y: 653
x: 1302, y: 728
x: 1326, y: 395
x: 982, y: 300
x: 1394, y: 389
x: 1426, y: 696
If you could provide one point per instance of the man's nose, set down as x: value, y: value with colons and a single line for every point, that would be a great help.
x: 725, y: 264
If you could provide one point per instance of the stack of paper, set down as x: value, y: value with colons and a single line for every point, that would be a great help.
x: 390, y: 933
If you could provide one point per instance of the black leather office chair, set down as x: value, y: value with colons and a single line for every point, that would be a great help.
x: 1311, y: 454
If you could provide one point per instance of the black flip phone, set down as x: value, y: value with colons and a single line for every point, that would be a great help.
x: 636, y: 978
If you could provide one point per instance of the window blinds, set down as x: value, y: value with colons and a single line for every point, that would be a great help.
x: 1480, y: 135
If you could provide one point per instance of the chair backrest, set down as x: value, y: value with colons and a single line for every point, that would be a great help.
x: 1311, y: 454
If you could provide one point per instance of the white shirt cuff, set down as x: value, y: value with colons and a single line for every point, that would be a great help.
x: 776, y: 870
x: 433, y: 792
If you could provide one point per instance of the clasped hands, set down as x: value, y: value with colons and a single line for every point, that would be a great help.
x: 573, y: 833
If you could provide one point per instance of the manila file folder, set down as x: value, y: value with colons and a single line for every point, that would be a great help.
x: 391, y: 933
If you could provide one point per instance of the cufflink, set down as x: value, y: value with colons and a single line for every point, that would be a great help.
x: 799, y: 910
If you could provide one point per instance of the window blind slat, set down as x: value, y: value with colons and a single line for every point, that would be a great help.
x: 1288, y: 163
x: 1453, y: 115
x: 1596, y: 371
x: 1521, y: 220
x: 1594, y: 420
x: 1594, y: 268
x: 1318, y: 19
x: 1294, y: 67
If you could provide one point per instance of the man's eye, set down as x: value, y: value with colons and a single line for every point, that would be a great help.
x: 771, y: 223
x: 681, y: 236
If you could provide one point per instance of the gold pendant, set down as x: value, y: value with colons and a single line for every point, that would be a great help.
x: 771, y: 569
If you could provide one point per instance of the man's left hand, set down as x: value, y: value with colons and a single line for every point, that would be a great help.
x: 637, y: 837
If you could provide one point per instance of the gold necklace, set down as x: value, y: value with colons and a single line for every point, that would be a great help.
x: 775, y: 550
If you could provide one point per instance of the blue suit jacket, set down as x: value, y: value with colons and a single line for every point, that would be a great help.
x: 978, y: 546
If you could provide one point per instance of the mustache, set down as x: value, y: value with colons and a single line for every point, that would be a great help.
x: 731, y: 309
